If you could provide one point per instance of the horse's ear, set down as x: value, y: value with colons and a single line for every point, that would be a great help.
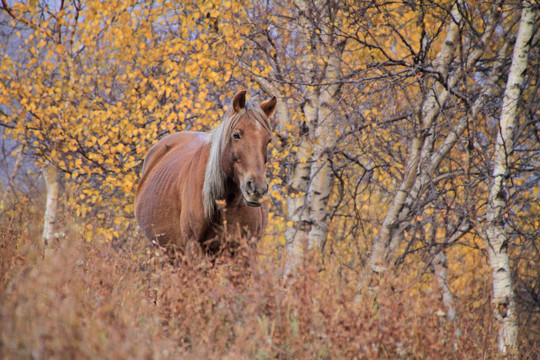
x: 269, y: 106
x: 239, y: 101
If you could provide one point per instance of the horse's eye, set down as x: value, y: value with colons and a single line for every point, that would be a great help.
x: 236, y: 136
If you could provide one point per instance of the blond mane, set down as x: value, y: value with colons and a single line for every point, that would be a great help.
x: 215, y: 178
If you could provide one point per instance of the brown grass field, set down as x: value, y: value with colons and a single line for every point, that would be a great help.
x: 99, y: 301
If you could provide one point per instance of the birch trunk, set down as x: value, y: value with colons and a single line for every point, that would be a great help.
x: 390, y: 234
x: 425, y: 158
x: 322, y: 177
x: 296, y: 236
x: 440, y: 266
x: 495, y: 237
x: 431, y: 162
x: 9, y: 188
x: 310, y: 176
x: 50, y: 175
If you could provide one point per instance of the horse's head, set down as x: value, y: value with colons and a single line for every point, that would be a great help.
x: 244, y: 156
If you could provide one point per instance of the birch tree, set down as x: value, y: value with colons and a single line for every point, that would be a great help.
x: 495, y: 236
x: 50, y: 218
x: 11, y: 178
x: 314, y: 80
x: 321, y: 115
x: 424, y: 157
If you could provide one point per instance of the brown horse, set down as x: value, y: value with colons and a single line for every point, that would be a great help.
x: 185, y: 173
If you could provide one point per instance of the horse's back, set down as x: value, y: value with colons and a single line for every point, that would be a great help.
x: 157, y: 201
x: 168, y: 143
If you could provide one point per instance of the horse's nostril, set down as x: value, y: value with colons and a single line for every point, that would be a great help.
x: 253, y: 189
x: 250, y: 186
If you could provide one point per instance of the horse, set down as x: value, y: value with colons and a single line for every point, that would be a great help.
x: 194, y: 183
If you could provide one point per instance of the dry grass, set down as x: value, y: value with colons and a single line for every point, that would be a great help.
x: 90, y: 301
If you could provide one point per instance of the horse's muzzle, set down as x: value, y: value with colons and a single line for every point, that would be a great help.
x: 253, y: 193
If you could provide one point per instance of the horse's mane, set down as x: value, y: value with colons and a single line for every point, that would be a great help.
x: 215, y: 178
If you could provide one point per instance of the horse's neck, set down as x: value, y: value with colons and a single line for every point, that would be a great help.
x: 232, y: 193
x: 231, y: 200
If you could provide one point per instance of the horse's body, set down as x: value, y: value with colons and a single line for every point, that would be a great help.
x: 185, y: 173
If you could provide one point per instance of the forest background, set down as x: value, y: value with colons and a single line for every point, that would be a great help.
x: 405, y: 172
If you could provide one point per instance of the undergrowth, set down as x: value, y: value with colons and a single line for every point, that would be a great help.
x: 98, y: 301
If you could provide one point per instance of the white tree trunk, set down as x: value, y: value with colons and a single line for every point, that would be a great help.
x: 431, y: 161
x: 298, y: 206
x: 310, y: 177
x: 296, y: 236
x: 11, y: 179
x: 322, y: 177
x: 440, y: 265
x: 423, y: 160
x: 496, y: 239
x: 50, y: 175
x: 390, y: 234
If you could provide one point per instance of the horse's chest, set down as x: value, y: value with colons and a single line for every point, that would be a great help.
x: 243, y: 220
